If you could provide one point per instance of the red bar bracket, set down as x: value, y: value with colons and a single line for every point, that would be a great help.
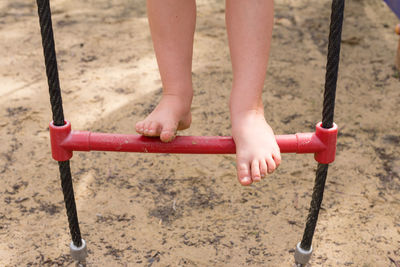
x: 64, y: 142
x: 57, y: 136
x: 329, y: 138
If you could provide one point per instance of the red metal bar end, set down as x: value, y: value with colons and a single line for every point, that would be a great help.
x: 57, y: 135
x: 329, y: 138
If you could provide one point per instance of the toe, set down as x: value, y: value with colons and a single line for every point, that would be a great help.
x: 263, y: 168
x: 277, y: 158
x: 154, y: 129
x: 168, y: 133
x: 255, y: 171
x: 139, y: 127
x: 243, y: 172
x: 146, y: 127
x: 271, y: 164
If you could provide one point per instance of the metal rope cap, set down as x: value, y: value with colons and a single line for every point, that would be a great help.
x: 302, y: 256
x: 78, y: 253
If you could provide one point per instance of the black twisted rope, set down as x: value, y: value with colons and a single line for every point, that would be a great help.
x: 69, y: 199
x: 316, y: 200
x: 332, y: 68
x: 58, y: 115
x: 50, y: 61
x: 332, y: 65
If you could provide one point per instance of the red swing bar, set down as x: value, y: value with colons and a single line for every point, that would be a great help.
x: 63, y: 141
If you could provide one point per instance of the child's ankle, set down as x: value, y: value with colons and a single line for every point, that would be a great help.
x: 238, y: 107
x: 184, y: 99
x: 241, y: 111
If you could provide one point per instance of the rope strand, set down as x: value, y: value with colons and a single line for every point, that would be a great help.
x: 58, y: 114
x: 50, y: 61
x: 316, y: 200
x: 69, y: 200
x: 332, y: 67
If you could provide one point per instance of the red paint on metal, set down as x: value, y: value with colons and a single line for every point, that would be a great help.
x: 64, y: 141
x: 329, y: 138
x: 57, y: 136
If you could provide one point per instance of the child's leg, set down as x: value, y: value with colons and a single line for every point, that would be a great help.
x: 249, y: 25
x: 172, y: 25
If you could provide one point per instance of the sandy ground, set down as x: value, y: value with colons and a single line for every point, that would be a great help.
x: 189, y: 210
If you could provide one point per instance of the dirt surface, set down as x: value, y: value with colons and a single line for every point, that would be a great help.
x: 189, y: 210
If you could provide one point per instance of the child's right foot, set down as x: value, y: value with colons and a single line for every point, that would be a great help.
x: 170, y: 115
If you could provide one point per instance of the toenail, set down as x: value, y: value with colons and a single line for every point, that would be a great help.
x: 262, y: 175
x: 246, y: 179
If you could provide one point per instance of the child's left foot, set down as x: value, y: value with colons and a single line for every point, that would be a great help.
x: 257, y: 153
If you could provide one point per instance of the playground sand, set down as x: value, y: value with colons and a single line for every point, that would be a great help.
x: 189, y: 210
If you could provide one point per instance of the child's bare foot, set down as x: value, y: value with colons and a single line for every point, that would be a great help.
x: 257, y: 152
x: 170, y: 115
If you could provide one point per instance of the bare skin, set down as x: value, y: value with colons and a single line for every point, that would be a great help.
x: 249, y: 26
x: 172, y: 25
x: 171, y: 115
